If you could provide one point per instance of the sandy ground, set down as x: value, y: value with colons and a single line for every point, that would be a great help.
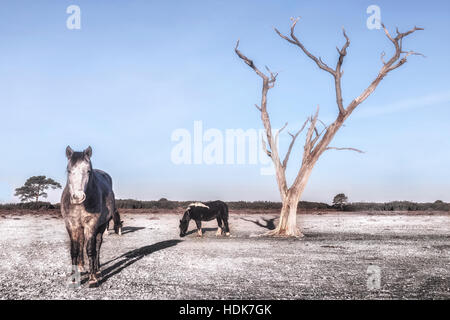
x: 150, y: 261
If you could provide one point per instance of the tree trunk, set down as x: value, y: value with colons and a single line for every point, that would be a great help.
x: 288, y: 219
x: 287, y: 226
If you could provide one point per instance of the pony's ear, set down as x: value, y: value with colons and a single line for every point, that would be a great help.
x: 69, y: 152
x: 88, y: 152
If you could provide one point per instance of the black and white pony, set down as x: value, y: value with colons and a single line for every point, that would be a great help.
x: 87, y: 205
x: 207, y: 211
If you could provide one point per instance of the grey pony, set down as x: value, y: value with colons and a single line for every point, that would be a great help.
x: 87, y: 205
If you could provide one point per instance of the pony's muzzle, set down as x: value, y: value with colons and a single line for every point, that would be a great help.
x: 78, y: 198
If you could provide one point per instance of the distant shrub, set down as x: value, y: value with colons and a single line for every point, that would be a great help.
x: 137, y: 204
x: 234, y: 205
x: 397, y: 206
x: 28, y: 206
x: 163, y: 203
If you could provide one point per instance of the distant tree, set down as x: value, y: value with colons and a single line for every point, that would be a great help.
x: 439, y: 205
x: 340, y: 200
x: 35, y: 187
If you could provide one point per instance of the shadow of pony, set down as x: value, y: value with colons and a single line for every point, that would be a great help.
x: 131, y: 257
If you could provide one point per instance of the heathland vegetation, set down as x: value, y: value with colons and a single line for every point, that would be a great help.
x: 254, y: 205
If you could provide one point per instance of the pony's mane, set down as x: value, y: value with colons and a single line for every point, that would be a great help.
x: 198, y: 204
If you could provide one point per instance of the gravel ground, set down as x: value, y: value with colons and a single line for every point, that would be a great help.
x: 150, y: 261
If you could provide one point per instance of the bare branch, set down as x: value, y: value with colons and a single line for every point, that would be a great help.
x: 403, y: 60
x: 257, y: 107
x: 351, y: 149
x: 387, y: 33
x: 343, y: 51
x: 324, y: 125
x: 401, y: 35
x: 293, y: 39
x: 264, y: 146
x: 393, y: 63
x: 338, y: 73
x: 279, y: 131
x: 382, y: 57
x: 250, y: 62
x: 268, y: 82
x: 291, y: 145
x: 309, y: 143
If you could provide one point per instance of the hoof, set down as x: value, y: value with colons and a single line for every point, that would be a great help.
x: 81, y: 269
x: 120, y: 232
x: 219, y: 232
x: 227, y: 234
x: 93, y: 283
x: 199, y: 233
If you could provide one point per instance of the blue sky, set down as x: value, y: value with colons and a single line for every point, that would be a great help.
x: 138, y: 70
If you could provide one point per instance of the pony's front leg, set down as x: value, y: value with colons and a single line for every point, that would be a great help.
x: 199, y: 228
x: 81, y: 253
x: 91, y: 250
x: 219, y: 227
x: 76, y: 246
x: 75, y: 249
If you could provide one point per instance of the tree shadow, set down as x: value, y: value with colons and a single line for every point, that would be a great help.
x: 126, y: 230
x: 129, y: 258
x: 269, y: 223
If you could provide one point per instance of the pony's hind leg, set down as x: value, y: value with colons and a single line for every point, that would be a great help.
x: 219, y: 227
x: 106, y: 232
x: 98, y: 244
x: 226, y: 227
x: 199, y: 228
x: 225, y: 220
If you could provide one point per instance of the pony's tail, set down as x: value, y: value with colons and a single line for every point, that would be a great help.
x: 226, y: 209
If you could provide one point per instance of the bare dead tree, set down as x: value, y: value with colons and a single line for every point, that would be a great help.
x: 316, y: 142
